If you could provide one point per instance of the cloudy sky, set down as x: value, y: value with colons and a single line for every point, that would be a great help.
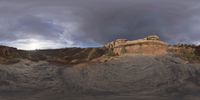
x: 41, y: 24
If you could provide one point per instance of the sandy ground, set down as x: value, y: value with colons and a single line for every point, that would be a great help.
x: 123, y: 78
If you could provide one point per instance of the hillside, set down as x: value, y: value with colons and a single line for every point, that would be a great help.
x: 139, y: 72
x: 9, y: 55
x: 190, y: 53
x: 124, y: 77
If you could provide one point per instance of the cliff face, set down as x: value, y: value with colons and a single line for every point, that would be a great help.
x: 149, y: 48
x: 150, y: 45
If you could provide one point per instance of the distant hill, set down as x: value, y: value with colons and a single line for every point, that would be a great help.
x: 151, y: 45
x: 101, y: 73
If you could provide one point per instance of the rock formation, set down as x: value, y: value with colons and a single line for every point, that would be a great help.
x: 7, y: 51
x: 150, y: 45
x: 152, y: 37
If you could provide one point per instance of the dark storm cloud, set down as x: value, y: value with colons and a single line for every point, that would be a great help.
x: 172, y: 20
x: 95, y: 22
x: 37, y: 27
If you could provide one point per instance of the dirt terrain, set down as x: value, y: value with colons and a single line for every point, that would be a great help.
x: 125, y: 77
x: 9, y: 55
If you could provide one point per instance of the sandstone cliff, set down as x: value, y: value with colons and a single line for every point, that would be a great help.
x: 150, y: 45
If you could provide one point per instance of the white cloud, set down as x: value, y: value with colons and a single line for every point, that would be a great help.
x: 82, y: 23
x: 197, y: 42
x: 33, y: 44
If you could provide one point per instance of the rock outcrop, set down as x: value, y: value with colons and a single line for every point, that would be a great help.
x: 7, y: 51
x: 150, y: 45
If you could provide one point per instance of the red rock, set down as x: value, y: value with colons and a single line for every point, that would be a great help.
x: 150, y: 45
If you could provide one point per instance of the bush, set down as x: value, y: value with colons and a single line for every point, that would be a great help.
x: 94, y: 53
x: 123, y: 50
x: 110, y: 52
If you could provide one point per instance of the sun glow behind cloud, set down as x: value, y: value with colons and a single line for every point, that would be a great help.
x: 33, y: 44
x: 197, y: 43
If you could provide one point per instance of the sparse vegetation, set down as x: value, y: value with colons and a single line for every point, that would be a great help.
x: 197, y: 50
x: 123, y: 50
x: 94, y: 53
x: 187, y: 52
x: 110, y: 52
x: 63, y: 56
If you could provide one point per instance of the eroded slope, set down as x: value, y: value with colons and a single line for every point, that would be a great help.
x: 121, y: 78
